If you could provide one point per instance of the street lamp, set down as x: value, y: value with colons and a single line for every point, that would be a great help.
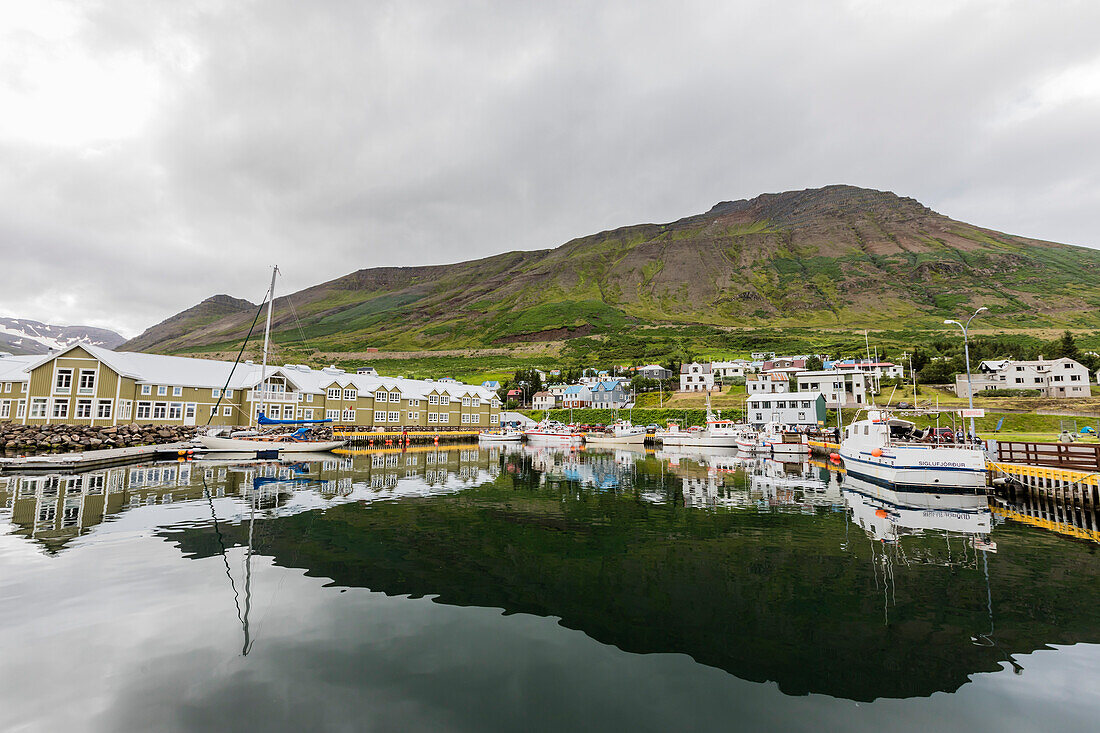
x: 966, y: 351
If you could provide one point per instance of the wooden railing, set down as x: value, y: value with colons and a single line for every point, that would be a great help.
x: 1061, y: 455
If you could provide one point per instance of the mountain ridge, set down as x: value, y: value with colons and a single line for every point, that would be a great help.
x: 27, y: 336
x: 837, y: 256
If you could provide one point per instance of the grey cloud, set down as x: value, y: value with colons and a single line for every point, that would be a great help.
x: 336, y: 136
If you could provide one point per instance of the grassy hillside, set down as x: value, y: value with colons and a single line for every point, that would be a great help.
x: 833, y: 258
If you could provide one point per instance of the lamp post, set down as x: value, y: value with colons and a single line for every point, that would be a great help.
x: 966, y: 351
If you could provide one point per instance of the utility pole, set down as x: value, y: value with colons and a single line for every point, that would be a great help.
x: 966, y: 352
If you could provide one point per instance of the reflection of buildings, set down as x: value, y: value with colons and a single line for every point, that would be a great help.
x: 793, y: 486
x: 610, y: 470
x: 53, y: 509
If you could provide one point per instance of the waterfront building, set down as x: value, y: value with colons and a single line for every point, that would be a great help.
x: 1063, y: 377
x: 796, y: 408
x: 544, y: 400
x: 841, y: 388
x: 724, y: 370
x: 89, y: 385
x: 609, y: 394
x: 696, y: 377
x: 576, y: 395
x: 880, y: 369
x: 654, y: 371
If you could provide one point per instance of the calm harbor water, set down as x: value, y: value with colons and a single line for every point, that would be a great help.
x: 524, y: 589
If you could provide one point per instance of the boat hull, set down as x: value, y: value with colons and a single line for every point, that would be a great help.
x: 534, y: 436
x: 490, y: 438
x: 944, y: 470
x: 613, y: 440
x: 699, y: 441
x: 244, y: 445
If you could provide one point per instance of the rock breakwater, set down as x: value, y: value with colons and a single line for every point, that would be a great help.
x: 40, y: 438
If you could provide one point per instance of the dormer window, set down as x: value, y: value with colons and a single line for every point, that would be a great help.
x: 381, y: 396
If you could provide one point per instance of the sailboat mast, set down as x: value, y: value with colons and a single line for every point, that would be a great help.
x: 267, y: 339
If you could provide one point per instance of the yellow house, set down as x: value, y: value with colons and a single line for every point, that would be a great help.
x: 88, y: 385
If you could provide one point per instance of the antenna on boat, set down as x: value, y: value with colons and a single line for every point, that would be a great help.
x: 267, y: 340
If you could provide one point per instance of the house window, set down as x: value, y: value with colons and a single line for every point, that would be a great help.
x: 412, y: 416
x: 5, y: 409
x: 350, y: 394
x: 432, y: 417
x: 309, y: 398
x: 379, y: 416
x: 349, y: 416
x: 7, y: 387
x: 332, y: 414
x: 144, y: 410
x: 147, y: 389
x: 334, y: 393
x: 475, y: 418
x: 103, y: 410
x: 465, y: 417
x: 465, y: 401
x: 215, y: 393
x: 227, y: 411
x: 307, y: 414
x: 177, y: 391
x: 162, y: 390
x: 394, y: 416
x: 38, y: 407
x: 381, y: 396
x: 86, y: 383
x: 476, y: 402
x: 395, y: 397
x: 20, y: 408
x: 60, y: 408
x: 160, y: 410
x: 175, y: 411
x: 444, y: 400
x: 124, y: 409
x: 63, y: 384
x: 228, y: 394
x: 433, y: 399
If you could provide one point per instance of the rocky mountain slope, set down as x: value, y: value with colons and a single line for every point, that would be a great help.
x: 23, y: 336
x: 838, y: 256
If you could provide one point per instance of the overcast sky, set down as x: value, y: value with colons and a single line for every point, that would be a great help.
x: 155, y: 153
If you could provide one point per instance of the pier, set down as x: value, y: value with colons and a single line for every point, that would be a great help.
x: 92, y: 459
x: 399, y: 437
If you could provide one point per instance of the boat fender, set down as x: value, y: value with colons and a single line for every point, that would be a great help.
x: 881, y: 513
x: 834, y: 456
x: 877, y: 452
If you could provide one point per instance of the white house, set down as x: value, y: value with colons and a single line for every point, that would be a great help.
x: 696, y: 377
x: 768, y: 383
x: 576, y: 395
x: 730, y: 369
x: 1063, y: 377
x: 543, y: 401
x: 843, y: 389
x: 796, y: 408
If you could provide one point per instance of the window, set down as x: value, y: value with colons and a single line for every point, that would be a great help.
x: 144, y: 410
x: 350, y: 394
x: 476, y: 402
x: 63, y: 383
x: 1057, y: 377
x: 227, y: 411
x: 1075, y: 377
x: 475, y: 418
x: 395, y: 397
x: 147, y: 389
x: 175, y: 411
x: 332, y: 414
x: 86, y: 383
x: 444, y: 399
x: 412, y: 416
x: 309, y: 398
x: 215, y: 393
x: 432, y: 417
x: 394, y: 416
x: 20, y: 409
x: 177, y: 391
x: 60, y: 408
x: 334, y: 393
x: 160, y: 410
x: 5, y: 410
x: 7, y: 387
x: 465, y: 417
x: 124, y: 409
x: 213, y: 410
x: 379, y: 416
x: 162, y: 390
x: 465, y: 401
x: 103, y: 410
x: 381, y: 396
x: 228, y: 394
x: 349, y: 416
x: 433, y: 399
x: 307, y: 414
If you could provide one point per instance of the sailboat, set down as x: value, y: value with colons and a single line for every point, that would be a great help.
x: 298, y: 441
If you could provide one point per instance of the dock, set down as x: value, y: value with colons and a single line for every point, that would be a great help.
x: 92, y: 459
x: 397, y: 437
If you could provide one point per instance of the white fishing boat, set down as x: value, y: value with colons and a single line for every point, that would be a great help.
x: 716, y: 433
x: 621, y: 433
x: 891, y: 453
x: 298, y: 441
x: 554, y: 432
x: 500, y: 436
x: 748, y: 442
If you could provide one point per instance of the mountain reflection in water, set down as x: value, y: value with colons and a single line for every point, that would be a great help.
x: 791, y: 574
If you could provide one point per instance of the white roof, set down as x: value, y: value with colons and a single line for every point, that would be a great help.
x: 788, y: 396
x: 182, y: 371
x: 12, y: 368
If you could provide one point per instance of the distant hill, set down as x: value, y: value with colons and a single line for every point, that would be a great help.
x: 23, y: 336
x: 838, y: 256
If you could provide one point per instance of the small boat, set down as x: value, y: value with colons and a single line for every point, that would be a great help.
x: 500, y: 436
x: 300, y: 441
x: 621, y: 433
x: 891, y: 453
x: 717, y: 433
x: 296, y: 442
x: 748, y: 441
x: 551, y: 431
x: 782, y: 442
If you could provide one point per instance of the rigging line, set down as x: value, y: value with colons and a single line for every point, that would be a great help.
x: 294, y: 312
x: 238, y: 361
x: 221, y: 544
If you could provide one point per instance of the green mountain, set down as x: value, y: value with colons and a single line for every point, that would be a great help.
x: 838, y: 256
